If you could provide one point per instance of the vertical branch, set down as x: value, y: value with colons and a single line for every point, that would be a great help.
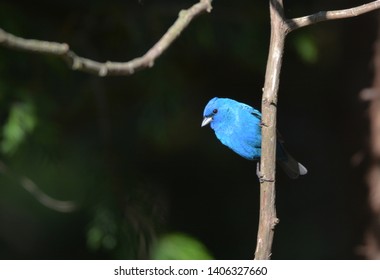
x: 371, y: 248
x: 268, y: 219
x: 280, y: 26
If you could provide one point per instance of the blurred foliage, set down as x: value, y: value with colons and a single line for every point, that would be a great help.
x: 21, y: 122
x: 177, y: 246
x: 129, y: 151
x: 306, y: 48
x: 102, y: 232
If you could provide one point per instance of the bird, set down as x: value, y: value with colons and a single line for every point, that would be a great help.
x: 238, y: 126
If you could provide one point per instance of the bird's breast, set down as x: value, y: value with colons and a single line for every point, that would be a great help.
x: 244, y: 139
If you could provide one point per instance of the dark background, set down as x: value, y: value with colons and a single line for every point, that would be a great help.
x: 130, y: 152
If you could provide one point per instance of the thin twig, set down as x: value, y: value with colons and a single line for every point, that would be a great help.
x: 108, y: 68
x: 295, y: 23
x: 37, y: 193
x: 46, y: 200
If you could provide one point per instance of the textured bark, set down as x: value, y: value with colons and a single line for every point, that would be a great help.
x: 268, y: 218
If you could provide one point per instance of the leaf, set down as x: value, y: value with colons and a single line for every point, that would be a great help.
x: 102, y: 231
x: 178, y: 246
x: 21, y: 121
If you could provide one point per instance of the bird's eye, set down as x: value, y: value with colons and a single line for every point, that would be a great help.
x: 215, y: 111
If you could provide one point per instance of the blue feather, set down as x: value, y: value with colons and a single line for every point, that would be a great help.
x: 238, y: 126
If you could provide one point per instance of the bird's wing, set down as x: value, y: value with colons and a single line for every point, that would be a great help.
x: 257, y: 114
x: 254, y: 112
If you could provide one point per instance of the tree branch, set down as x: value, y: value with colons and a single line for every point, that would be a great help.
x: 295, y: 23
x: 108, y: 68
x: 268, y: 218
x: 280, y: 27
x: 37, y: 193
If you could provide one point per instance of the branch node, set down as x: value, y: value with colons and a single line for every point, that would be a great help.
x: 131, y: 69
x: 103, y: 70
x: 65, y: 48
x: 262, y: 123
x: 76, y: 64
x: 269, y: 102
x: 275, y: 223
x: 208, y: 4
x: 182, y: 13
x: 369, y: 94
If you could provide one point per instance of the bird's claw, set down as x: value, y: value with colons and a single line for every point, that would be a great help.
x: 261, y: 177
x: 263, y: 124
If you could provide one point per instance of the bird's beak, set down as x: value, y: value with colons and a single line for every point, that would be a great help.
x: 206, y: 121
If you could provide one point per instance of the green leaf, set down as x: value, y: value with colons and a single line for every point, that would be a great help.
x: 102, y: 231
x: 178, y: 246
x: 21, y: 121
x: 94, y: 238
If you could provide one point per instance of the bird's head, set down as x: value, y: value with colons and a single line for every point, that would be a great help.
x: 217, y: 111
x: 210, y: 111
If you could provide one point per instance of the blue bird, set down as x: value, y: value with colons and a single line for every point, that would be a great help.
x: 238, y: 126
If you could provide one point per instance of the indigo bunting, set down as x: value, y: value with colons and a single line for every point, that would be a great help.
x: 238, y: 126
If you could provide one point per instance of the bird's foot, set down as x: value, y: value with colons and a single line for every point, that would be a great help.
x: 261, y: 177
x: 263, y: 124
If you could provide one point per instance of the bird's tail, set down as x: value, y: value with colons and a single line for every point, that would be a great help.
x: 291, y: 167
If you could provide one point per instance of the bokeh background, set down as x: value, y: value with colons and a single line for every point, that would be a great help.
x: 135, y: 175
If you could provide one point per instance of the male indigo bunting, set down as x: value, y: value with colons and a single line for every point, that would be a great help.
x: 238, y: 126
